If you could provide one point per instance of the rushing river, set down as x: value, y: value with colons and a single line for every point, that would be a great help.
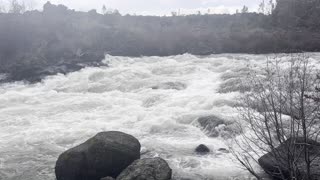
x: 156, y: 99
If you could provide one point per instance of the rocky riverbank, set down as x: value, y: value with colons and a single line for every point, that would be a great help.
x: 110, y: 155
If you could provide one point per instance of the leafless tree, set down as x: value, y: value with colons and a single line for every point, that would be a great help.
x: 174, y: 13
x: 16, y: 7
x: 104, y: 9
x: 262, y: 6
x: 280, y: 119
x: 245, y: 9
x: 267, y: 7
x: 2, y: 7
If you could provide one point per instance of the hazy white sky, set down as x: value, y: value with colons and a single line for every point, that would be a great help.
x: 155, y: 7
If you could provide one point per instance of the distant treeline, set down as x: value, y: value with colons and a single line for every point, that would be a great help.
x: 33, y: 41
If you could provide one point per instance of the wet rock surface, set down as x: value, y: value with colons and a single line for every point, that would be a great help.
x: 147, y: 169
x: 170, y: 85
x: 215, y: 126
x: 202, y: 149
x: 36, y: 72
x: 106, y: 154
x: 276, y: 166
x: 224, y: 150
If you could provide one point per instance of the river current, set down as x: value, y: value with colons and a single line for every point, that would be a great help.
x: 156, y: 99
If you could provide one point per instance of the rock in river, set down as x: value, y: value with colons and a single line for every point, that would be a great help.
x: 147, y: 169
x: 170, y: 85
x: 106, y: 154
x: 215, y: 126
x: 275, y: 162
x: 202, y: 149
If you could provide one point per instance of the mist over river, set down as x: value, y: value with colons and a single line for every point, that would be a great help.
x: 156, y: 99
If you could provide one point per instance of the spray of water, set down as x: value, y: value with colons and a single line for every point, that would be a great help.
x: 156, y: 99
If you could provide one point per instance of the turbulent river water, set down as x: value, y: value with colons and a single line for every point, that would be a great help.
x: 156, y: 99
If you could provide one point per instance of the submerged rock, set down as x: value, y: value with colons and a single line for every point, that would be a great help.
x: 147, y: 169
x: 275, y: 166
x: 202, y: 149
x: 223, y: 150
x: 214, y: 126
x: 170, y: 85
x: 210, y: 124
x: 106, y: 154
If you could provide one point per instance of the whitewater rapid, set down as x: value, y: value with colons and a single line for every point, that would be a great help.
x: 156, y: 99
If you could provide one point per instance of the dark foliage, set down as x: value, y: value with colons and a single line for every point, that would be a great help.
x: 33, y: 41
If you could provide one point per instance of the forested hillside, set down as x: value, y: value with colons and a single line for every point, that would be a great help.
x: 33, y: 42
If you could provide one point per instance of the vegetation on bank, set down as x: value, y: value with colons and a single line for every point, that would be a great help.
x: 32, y: 41
x: 280, y: 120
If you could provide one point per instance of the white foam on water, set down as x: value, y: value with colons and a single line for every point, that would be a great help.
x: 40, y: 121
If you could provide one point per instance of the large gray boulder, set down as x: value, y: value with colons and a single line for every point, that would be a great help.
x: 275, y: 162
x: 147, y: 169
x: 106, y: 154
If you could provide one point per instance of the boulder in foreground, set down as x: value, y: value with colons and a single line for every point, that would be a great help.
x: 147, y: 169
x: 278, y: 167
x: 106, y: 154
